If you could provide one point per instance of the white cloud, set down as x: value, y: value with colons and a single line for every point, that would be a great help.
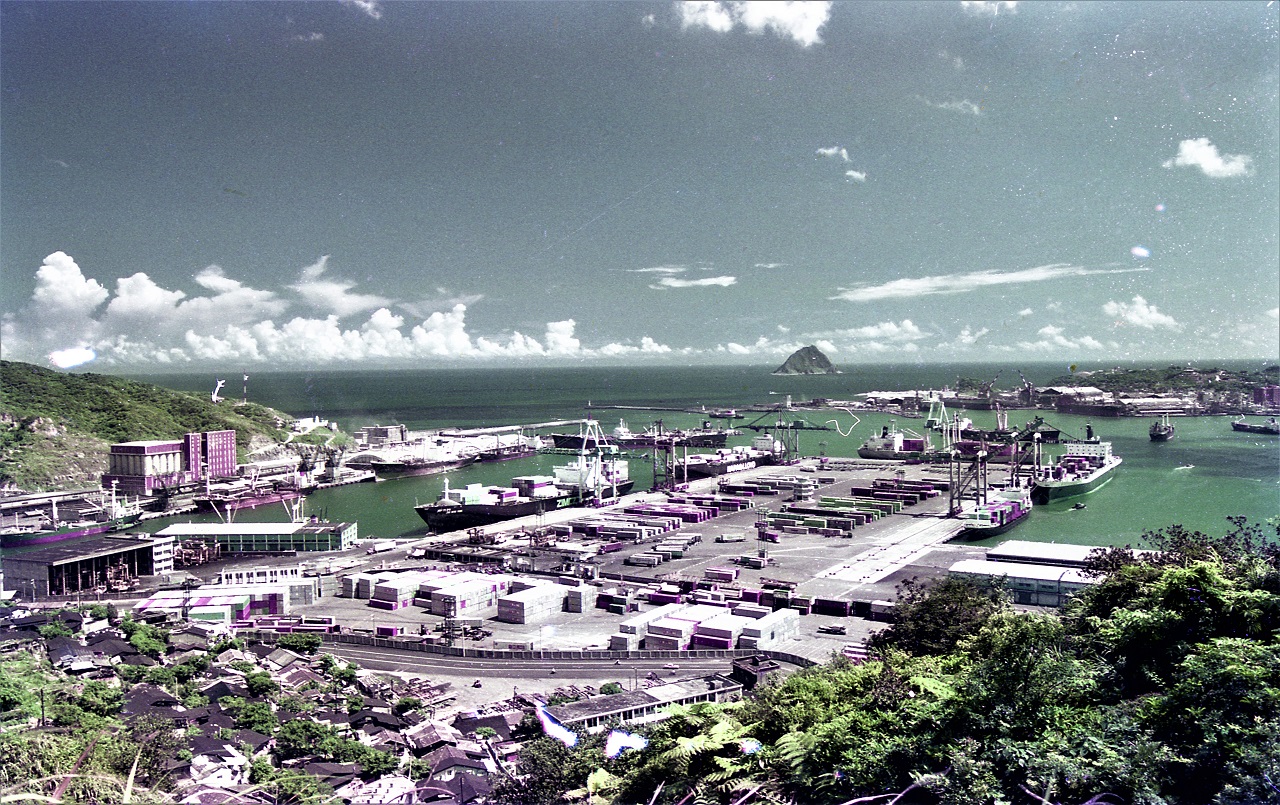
x: 647, y: 346
x: 856, y: 176
x: 769, y: 265
x: 61, y: 288
x: 561, y: 339
x: 74, y: 356
x: 334, y: 296
x: 1140, y: 314
x: 371, y: 7
x: 314, y: 36
x: 659, y: 270
x: 826, y: 347
x: 968, y: 338
x: 834, y: 151
x: 1202, y: 154
x: 988, y: 8
x: 1026, y: 311
x: 672, y: 282
x: 793, y: 19
x: 1274, y: 312
x: 1052, y: 339
x: 964, y: 107
x: 963, y: 283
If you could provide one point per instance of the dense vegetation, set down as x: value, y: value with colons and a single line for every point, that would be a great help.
x: 90, y: 753
x: 1174, y: 379
x: 1161, y: 684
x: 55, y: 427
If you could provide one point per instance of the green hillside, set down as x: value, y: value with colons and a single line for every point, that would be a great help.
x: 55, y: 428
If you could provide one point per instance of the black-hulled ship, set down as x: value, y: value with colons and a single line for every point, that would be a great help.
x: 597, y: 475
x: 1269, y: 428
x: 1163, y: 430
x: 656, y: 435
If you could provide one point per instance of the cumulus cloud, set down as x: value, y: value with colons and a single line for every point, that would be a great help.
x: 963, y: 283
x: 314, y: 36
x: 334, y: 295
x: 1026, y: 311
x: 1202, y: 154
x: 791, y: 19
x: 1140, y: 314
x: 856, y: 176
x: 371, y: 7
x: 989, y: 8
x: 1052, y: 339
x: 705, y: 282
x: 968, y: 338
x: 834, y: 151
x: 145, y: 324
x: 964, y: 107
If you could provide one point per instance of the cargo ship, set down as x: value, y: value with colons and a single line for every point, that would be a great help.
x: 87, y: 518
x: 893, y: 443
x: 1002, y: 510
x: 1268, y: 428
x: 1084, y: 467
x: 422, y: 458
x: 763, y: 452
x: 1163, y: 430
x: 656, y: 435
x: 233, y: 497
x: 597, y: 475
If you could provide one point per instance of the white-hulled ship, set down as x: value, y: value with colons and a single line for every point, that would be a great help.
x: 1084, y: 467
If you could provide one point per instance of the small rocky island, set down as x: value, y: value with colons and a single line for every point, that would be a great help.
x: 807, y: 361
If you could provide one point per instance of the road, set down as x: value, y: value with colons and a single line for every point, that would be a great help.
x: 441, y: 666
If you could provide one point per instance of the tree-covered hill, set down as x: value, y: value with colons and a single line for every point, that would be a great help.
x: 55, y: 428
x: 1174, y: 379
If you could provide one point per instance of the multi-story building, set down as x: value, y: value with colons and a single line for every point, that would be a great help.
x: 146, y: 467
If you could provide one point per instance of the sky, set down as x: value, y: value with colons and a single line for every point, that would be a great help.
x: 364, y: 184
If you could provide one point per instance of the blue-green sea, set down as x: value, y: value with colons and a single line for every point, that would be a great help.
x: 1206, y: 474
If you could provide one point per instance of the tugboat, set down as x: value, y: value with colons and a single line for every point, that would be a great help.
x: 1161, y: 431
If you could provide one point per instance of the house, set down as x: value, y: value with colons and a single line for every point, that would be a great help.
x: 282, y: 658
x: 215, y: 762
x: 446, y: 762
x: 334, y: 775
x: 501, y: 723
x: 429, y: 736
x: 147, y: 698
x: 463, y: 788
x: 296, y: 676
x: 390, y: 789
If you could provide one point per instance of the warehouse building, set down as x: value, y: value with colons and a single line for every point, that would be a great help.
x: 88, y: 566
x: 303, y: 537
x: 1030, y: 584
x: 152, y: 466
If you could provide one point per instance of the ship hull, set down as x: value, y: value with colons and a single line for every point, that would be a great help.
x: 409, y: 469
x: 984, y: 531
x: 1161, y: 435
x: 1264, y: 430
x: 455, y: 517
x: 1047, y: 491
x: 221, y: 504
x: 26, y: 539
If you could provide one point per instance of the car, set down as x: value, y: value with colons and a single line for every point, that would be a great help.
x: 670, y: 666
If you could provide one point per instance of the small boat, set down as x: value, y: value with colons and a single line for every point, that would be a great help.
x: 1161, y: 431
x: 1186, y: 467
x: 1078, y: 506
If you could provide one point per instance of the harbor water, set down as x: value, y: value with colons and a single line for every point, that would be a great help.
x: 1206, y: 474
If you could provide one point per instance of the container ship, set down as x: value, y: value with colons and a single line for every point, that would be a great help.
x: 598, y: 474
x: 1003, y: 510
x: 81, y: 518
x: 763, y: 452
x: 1268, y: 428
x: 1084, y: 467
x: 893, y: 443
x: 1163, y: 430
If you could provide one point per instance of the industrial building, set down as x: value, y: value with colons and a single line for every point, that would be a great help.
x: 88, y: 566
x: 646, y: 704
x: 303, y: 537
x: 1030, y: 584
x: 160, y: 466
